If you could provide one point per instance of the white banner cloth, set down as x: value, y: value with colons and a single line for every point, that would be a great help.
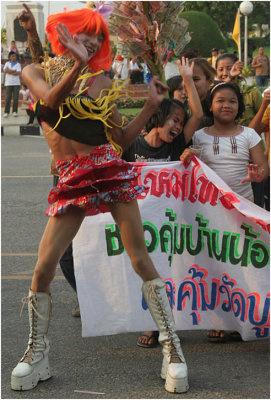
x: 209, y: 245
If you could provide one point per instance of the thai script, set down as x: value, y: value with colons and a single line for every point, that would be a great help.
x: 224, y: 294
x: 191, y: 185
x: 174, y: 238
x: 193, y: 293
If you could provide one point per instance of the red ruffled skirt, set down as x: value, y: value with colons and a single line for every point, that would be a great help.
x: 91, y: 182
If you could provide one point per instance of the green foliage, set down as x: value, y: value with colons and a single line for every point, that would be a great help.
x: 255, y: 42
x: 247, y: 71
x: 205, y: 33
x: 224, y: 13
x: 3, y: 35
x: 130, y: 103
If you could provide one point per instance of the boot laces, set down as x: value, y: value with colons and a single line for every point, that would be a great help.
x: 31, y: 344
x: 174, y: 356
x: 31, y: 300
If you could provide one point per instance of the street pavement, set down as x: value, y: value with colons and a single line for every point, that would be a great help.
x: 112, y: 365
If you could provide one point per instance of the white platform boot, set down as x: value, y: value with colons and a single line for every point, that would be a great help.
x: 174, y: 369
x: 34, y: 366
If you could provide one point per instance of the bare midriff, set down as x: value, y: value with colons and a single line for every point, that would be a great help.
x: 62, y: 147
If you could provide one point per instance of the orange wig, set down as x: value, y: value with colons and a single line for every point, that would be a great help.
x: 81, y: 21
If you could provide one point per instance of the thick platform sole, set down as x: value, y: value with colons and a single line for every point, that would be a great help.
x: 41, y: 372
x: 174, y: 385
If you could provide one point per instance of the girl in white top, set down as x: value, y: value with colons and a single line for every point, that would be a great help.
x: 227, y: 147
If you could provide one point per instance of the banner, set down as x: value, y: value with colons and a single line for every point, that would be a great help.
x: 209, y: 245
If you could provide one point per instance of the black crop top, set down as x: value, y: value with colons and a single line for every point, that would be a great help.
x: 87, y: 130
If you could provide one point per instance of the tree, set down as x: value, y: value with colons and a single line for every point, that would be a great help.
x: 224, y: 12
x: 204, y: 32
x: 3, y: 35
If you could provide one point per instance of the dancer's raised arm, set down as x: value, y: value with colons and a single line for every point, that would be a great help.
x: 27, y: 21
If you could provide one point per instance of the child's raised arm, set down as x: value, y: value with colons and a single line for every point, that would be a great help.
x: 186, y: 71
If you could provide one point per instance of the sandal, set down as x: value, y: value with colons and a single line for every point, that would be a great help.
x: 154, y: 336
x: 218, y: 336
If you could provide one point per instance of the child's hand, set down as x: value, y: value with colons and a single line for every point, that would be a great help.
x: 187, y: 153
x: 255, y: 173
x: 236, y: 68
x: 266, y: 97
x: 186, y: 70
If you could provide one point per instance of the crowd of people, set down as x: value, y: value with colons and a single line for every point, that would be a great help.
x: 209, y: 105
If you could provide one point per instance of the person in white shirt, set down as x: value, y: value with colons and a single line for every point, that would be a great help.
x: 12, y: 70
x: 227, y: 148
x: 135, y: 72
x: 120, y: 67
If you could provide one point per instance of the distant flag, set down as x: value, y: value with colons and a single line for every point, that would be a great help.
x: 236, y: 31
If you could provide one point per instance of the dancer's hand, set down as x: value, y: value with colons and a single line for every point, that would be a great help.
x: 26, y: 19
x: 157, y: 91
x: 255, y: 174
x: 73, y: 45
x: 186, y: 70
x: 237, y: 68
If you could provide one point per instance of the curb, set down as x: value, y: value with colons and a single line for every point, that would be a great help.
x: 21, y: 130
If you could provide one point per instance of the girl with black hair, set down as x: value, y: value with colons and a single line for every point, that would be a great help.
x: 229, y: 69
x: 169, y: 131
x: 228, y: 147
x: 176, y: 89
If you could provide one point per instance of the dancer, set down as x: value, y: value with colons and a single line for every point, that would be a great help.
x: 83, y: 129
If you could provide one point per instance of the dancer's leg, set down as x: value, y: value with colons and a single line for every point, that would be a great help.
x: 128, y: 219
x: 34, y: 365
x: 174, y: 369
x: 58, y: 234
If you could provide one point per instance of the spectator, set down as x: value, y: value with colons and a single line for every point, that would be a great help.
x: 177, y: 89
x: 12, y: 71
x: 190, y: 53
x: 169, y: 133
x: 228, y: 147
x: 261, y: 123
x: 27, y: 53
x: 120, y: 67
x: 135, y: 72
x: 29, y: 102
x: 262, y: 68
x: 203, y: 76
x: 214, y: 56
x: 14, y: 48
x: 146, y: 74
x: 229, y: 69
